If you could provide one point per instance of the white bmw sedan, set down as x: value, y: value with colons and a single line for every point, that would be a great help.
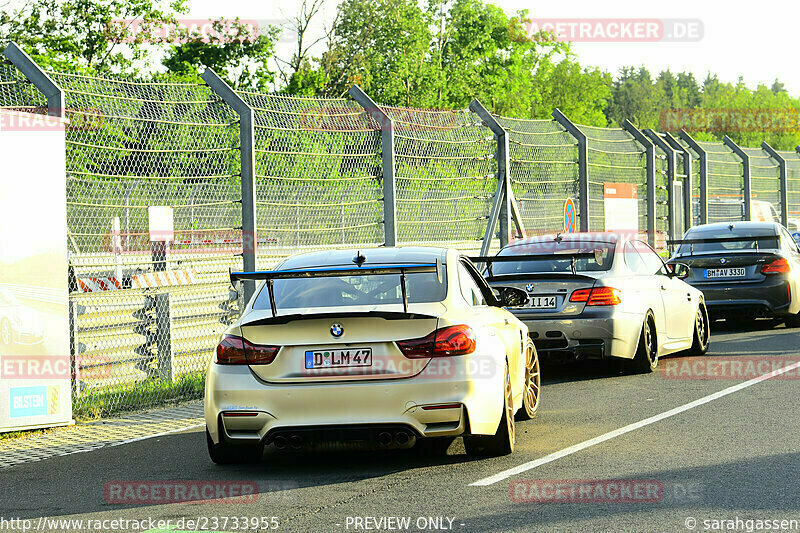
x: 385, y: 345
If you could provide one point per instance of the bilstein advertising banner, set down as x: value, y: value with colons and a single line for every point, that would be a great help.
x: 35, y: 365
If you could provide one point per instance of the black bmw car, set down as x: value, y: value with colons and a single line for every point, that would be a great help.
x: 746, y: 270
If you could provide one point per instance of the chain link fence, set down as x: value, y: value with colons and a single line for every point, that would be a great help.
x: 792, y: 188
x: 543, y: 171
x: 317, y: 176
x: 725, y: 183
x: 765, y: 185
x: 614, y: 156
x: 17, y: 93
x: 146, y: 317
x: 445, y: 175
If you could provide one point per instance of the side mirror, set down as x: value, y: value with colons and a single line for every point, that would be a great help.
x: 679, y: 270
x: 511, y: 297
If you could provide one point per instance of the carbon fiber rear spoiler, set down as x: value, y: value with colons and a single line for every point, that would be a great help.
x: 692, y: 242
x: 329, y: 272
x: 489, y: 260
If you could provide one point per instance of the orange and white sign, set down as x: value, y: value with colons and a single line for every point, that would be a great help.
x: 621, y: 201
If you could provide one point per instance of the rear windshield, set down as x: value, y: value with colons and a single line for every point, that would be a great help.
x: 421, y: 287
x: 725, y: 233
x: 601, y: 261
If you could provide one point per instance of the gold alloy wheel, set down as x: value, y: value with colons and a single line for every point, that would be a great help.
x: 510, y: 411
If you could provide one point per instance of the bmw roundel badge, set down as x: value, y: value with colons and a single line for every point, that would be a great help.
x: 337, y: 330
x: 723, y: 260
x: 529, y: 287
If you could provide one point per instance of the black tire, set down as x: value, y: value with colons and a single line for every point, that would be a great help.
x: 793, y: 321
x: 702, y: 331
x: 226, y: 453
x: 646, y: 358
x: 6, y: 333
x: 533, y: 384
x: 502, y: 442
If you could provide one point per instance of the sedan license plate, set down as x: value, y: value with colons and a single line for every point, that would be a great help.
x: 712, y: 273
x: 338, y: 358
x: 543, y: 302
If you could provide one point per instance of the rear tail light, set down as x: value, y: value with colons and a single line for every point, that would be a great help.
x: 597, y: 296
x: 779, y: 266
x: 452, y: 340
x: 234, y: 350
x: 581, y: 295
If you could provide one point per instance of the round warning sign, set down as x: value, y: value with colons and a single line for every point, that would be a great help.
x: 570, y: 216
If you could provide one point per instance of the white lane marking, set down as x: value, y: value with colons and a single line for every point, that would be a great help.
x: 505, y: 474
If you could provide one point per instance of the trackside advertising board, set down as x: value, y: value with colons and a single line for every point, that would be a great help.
x: 35, y: 371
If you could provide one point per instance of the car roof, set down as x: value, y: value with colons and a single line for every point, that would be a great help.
x: 741, y: 224
x: 608, y: 237
x: 375, y: 256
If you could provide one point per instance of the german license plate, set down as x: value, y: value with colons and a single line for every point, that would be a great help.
x: 338, y: 358
x: 543, y: 302
x: 712, y: 273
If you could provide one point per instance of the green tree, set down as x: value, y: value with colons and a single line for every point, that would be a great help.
x: 236, y: 51
x: 89, y: 35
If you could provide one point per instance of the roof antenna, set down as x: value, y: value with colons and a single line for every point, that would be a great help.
x: 359, y: 259
x: 559, y: 238
x: 731, y: 226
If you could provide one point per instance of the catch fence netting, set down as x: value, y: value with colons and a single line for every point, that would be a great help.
x: 765, y: 185
x: 146, y: 319
x: 615, y: 157
x: 544, y: 172
x: 792, y: 187
x: 445, y: 176
x: 725, y: 183
x: 318, y: 175
x: 17, y: 93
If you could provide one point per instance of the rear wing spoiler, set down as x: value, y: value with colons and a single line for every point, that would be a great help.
x: 269, y: 276
x: 692, y: 242
x: 490, y: 260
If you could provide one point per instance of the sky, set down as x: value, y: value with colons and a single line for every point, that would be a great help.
x: 758, y: 44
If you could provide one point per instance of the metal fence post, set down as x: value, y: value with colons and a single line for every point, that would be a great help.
x: 783, y: 179
x: 746, y: 176
x: 387, y: 162
x: 583, y: 166
x: 688, y: 185
x: 166, y: 357
x: 703, y: 174
x: 672, y: 163
x: 502, y: 208
x: 248, y: 165
x: 51, y: 91
x: 650, y: 169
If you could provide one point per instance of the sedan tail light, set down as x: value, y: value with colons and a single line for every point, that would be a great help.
x: 597, y: 296
x: 452, y: 340
x: 779, y: 266
x: 234, y: 350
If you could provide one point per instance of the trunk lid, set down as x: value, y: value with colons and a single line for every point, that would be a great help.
x: 310, y: 350
x: 716, y: 268
x: 548, y: 294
